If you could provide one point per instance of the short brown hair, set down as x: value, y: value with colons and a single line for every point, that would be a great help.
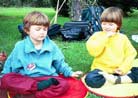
x: 113, y: 14
x: 35, y: 18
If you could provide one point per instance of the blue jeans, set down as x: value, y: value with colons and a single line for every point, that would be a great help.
x: 134, y: 74
x: 94, y: 79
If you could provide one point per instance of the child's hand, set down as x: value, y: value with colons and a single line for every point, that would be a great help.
x: 77, y: 74
x: 119, y: 72
x: 109, y: 34
x: 3, y: 56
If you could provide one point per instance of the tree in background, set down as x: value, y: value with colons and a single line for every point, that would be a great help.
x: 126, y: 5
x: 76, y: 10
x: 69, y: 6
x: 22, y: 3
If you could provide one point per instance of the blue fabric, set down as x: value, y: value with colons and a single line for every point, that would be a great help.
x: 134, y: 74
x: 94, y: 79
x: 26, y: 60
x: 47, y: 83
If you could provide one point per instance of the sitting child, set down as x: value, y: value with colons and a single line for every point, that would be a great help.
x: 36, y: 63
x: 112, y: 51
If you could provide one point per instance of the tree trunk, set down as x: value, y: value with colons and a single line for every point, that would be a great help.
x: 76, y: 10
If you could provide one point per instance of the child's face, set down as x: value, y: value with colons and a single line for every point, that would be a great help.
x: 109, y: 27
x: 38, y: 32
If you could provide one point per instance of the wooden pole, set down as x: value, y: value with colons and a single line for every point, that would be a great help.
x: 57, y: 11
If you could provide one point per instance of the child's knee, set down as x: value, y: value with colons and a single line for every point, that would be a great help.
x: 134, y: 74
x: 94, y: 79
x: 134, y: 70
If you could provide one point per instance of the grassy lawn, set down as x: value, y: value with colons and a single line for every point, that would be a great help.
x: 75, y: 51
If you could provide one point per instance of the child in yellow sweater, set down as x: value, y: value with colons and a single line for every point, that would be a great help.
x: 112, y: 51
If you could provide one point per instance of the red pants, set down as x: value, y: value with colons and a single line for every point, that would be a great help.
x: 67, y: 88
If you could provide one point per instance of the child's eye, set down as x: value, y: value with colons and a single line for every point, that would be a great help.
x: 103, y: 23
x: 111, y: 24
x: 37, y: 29
x: 45, y: 29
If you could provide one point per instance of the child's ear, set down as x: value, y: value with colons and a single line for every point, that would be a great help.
x: 117, y: 28
x: 26, y: 30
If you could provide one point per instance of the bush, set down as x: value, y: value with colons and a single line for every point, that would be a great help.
x: 126, y: 5
x: 21, y: 3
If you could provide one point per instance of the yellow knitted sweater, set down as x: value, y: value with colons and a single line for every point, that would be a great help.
x: 111, y: 53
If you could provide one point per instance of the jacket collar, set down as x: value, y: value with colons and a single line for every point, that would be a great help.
x: 29, y: 46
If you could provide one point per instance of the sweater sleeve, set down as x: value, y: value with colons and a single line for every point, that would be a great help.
x: 130, y: 54
x: 96, y: 44
x: 59, y: 63
x: 12, y: 63
x: 7, y: 65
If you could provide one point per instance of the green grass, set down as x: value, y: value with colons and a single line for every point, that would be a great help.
x: 130, y: 26
x: 75, y: 51
x: 20, y: 12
